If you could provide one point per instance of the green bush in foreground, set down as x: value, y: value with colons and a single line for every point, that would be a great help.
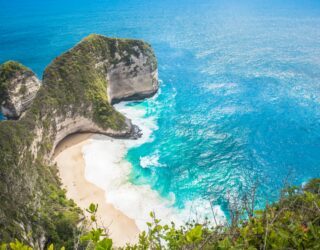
x: 291, y: 223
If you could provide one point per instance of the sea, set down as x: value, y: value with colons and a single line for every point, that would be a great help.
x: 238, y: 107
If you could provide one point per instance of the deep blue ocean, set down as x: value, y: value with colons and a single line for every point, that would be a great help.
x: 240, y: 85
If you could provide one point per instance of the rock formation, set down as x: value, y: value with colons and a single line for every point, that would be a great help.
x: 76, y: 94
x: 18, y: 87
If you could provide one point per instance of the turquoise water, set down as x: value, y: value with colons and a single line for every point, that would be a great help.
x: 240, y: 93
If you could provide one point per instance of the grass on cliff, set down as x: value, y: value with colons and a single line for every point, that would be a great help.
x: 79, y: 77
x: 76, y: 80
x: 73, y: 82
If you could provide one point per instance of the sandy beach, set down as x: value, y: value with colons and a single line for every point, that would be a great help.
x: 70, y: 161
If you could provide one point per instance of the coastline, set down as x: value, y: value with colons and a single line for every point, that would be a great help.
x: 93, y: 169
x: 71, y: 165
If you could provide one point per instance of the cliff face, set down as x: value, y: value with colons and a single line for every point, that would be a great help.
x: 19, y: 86
x: 134, y: 78
x: 77, y: 91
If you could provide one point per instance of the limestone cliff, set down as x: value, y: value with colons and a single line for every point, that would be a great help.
x: 18, y: 87
x: 77, y: 91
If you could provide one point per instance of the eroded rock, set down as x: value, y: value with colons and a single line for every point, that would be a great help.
x: 18, y: 88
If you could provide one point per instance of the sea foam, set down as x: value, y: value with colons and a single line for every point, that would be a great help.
x: 107, y: 168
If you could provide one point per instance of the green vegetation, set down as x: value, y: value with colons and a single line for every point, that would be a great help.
x: 73, y: 79
x: 33, y: 207
x: 30, y: 206
x: 291, y: 223
x: 96, y: 238
x: 9, y: 70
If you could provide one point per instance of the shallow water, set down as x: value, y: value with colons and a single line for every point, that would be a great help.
x: 240, y: 92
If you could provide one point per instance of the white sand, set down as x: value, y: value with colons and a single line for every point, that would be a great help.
x: 71, y: 165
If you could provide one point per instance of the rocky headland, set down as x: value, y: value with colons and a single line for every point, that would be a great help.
x: 76, y: 95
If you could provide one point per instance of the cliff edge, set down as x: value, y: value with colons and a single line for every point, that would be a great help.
x: 77, y: 92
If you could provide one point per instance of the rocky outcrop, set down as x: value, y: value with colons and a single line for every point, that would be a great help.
x: 101, y: 71
x: 76, y: 95
x: 135, y: 80
x: 19, y: 86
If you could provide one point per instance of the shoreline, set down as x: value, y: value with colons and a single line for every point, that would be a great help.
x: 70, y: 161
x: 93, y: 169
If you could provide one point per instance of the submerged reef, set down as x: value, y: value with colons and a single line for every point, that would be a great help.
x: 76, y: 95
